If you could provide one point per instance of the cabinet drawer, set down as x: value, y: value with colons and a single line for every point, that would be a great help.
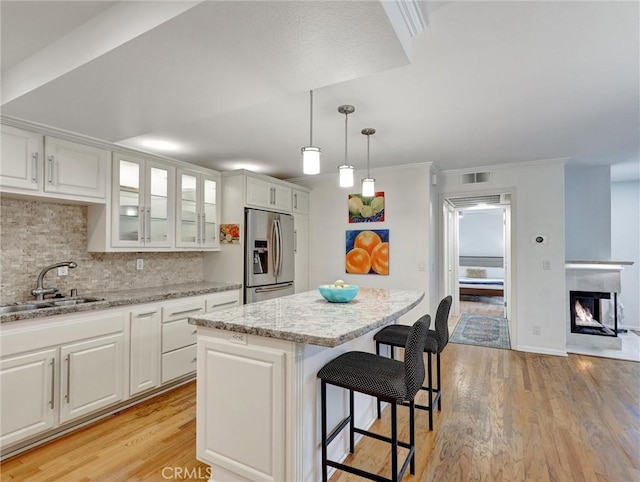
x: 182, y: 310
x: 222, y: 300
x: 178, y: 363
x: 177, y: 334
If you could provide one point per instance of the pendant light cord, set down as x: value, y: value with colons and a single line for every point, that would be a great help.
x: 311, y: 118
x: 368, y: 172
x: 346, y: 117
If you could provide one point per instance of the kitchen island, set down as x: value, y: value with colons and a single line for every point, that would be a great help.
x: 257, y: 406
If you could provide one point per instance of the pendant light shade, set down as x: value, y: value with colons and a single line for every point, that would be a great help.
x: 368, y: 183
x: 346, y: 175
x: 346, y: 169
x: 311, y: 154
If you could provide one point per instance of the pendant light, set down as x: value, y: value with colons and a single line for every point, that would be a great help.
x: 346, y: 169
x: 310, y: 154
x: 368, y: 183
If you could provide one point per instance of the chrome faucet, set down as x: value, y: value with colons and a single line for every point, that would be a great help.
x: 40, y: 291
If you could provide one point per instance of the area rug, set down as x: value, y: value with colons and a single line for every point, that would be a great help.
x: 490, y: 331
x: 492, y: 300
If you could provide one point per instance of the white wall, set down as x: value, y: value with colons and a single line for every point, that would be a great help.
x: 588, y: 213
x: 625, y: 245
x: 538, y: 296
x: 480, y: 233
x: 407, y: 217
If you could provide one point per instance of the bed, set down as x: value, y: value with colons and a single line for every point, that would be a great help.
x: 481, y: 276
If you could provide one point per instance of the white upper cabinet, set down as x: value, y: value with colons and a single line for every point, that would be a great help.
x: 142, y: 203
x: 269, y: 195
x: 75, y: 169
x: 197, y: 209
x: 50, y: 167
x: 300, y: 201
x: 22, y: 155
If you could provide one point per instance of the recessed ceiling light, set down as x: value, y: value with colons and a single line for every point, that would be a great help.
x: 160, y: 144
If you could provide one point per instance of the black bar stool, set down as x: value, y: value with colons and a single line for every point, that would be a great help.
x: 396, y: 336
x: 390, y: 380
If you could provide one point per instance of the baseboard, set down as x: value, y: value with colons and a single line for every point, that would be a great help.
x: 541, y: 351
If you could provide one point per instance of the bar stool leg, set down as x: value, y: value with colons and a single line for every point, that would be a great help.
x: 323, y: 404
x: 378, y: 400
x: 351, y: 423
x: 430, y: 379
x: 439, y: 386
x: 394, y: 442
x: 412, y: 436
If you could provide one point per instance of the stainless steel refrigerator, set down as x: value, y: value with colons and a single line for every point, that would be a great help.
x: 269, y: 255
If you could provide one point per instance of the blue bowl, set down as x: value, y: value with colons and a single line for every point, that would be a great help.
x: 338, y: 295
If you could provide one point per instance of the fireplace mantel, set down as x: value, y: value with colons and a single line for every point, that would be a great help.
x: 596, y: 264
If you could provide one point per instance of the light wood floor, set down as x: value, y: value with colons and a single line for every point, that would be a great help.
x: 506, y: 415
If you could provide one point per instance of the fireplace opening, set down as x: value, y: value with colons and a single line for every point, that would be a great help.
x: 588, y: 313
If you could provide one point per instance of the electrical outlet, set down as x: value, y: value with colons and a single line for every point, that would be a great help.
x: 546, y: 265
x: 63, y: 271
x: 139, y: 263
x: 535, y: 329
x: 239, y: 338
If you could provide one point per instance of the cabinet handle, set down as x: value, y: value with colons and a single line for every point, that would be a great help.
x: 51, y: 161
x: 224, y: 304
x: 53, y: 383
x: 195, y: 359
x: 146, y: 313
x: 295, y: 241
x: 148, y: 225
x: 213, y: 235
x: 34, y: 156
x: 67, y: 397
x: 185, y: 311
x: 295, y: 201
x: 142, y: 226
x: 194, y: 332
x: 273, y: 195
x: 202, y: 228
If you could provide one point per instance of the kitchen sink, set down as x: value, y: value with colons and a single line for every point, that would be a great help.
x: 52, y: 303
x: 74, y: 301
x: 23, y: 307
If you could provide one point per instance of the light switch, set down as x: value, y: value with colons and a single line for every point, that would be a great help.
x: 139, y: 263
x: 546, y: 265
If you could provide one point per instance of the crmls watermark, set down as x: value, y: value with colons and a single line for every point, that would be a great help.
x: 186, y: 473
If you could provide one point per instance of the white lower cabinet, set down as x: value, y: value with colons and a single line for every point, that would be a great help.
x: 144, y: 356
x: 58, y: 371
x: 27, y: 395
x: 179, y: 338
x: 53, y: 373
x: 252, y: 378
x: 92, y: 375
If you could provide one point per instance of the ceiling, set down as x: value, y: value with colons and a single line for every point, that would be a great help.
x: 226, y: 84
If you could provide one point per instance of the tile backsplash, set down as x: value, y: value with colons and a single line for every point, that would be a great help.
x: 35, y: 234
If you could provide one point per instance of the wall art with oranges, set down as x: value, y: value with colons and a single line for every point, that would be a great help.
x: 367, y: 251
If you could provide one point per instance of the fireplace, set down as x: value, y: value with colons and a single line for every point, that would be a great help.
x: 588, y: 313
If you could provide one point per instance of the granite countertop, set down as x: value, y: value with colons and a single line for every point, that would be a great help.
x: 308, y: 318
x: 122, y: 298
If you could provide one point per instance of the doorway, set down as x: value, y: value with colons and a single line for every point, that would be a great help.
x: 476, y: 254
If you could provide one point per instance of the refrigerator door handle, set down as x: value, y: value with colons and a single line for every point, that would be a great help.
x: 278, y: 230
x: 274, y: 248
x: 268, y: 289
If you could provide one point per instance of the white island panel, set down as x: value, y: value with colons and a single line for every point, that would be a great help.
x: 258, y: 403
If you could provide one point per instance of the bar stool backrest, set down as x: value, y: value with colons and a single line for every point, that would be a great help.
x: 442, y: 322
x: 413, y: 361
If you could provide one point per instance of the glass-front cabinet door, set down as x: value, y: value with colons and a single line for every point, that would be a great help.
x: 143, y: 203
x: 197, y: 211
x: 209, y: 214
